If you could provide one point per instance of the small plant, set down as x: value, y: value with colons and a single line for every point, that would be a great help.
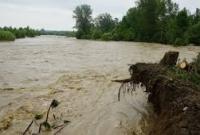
x: 45, y: 124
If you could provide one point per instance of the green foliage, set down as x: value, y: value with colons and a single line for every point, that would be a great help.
x: 96, y: 34
x: 83, y: 16
x: 6, y: 36
x: 19, y: 33
x: 158, y: 21
x: 194, y: 34
x: 180, y: 42
x: 104, y: 22
x: 128, y: 34
x: 182, y: 21
x: 184, y: 75
x: 148, y: 19
x: 106, y: 36
x: 57, y: 33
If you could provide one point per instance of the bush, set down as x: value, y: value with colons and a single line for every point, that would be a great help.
x: 116, y: 34
x: 106, y: 36
x: 129, y: 35
x: 21, y: 32
x: 96, y: 34
x: 81, y: 35
x: 181, y: 41
x: 6, y: 36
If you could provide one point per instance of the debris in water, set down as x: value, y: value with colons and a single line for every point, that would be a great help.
x: 46, y: 124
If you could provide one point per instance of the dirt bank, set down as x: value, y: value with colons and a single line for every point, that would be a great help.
x: 176, y: 102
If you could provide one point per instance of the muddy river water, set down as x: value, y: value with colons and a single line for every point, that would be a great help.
x: 79, y: 74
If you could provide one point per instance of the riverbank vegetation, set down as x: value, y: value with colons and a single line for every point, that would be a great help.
x: 57, y: 33
x: 190, y: 73
x: 10, y: 33
x: 159, y: 21
x: 6, y: 36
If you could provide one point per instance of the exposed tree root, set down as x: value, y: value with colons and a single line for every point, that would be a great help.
x: 176, y: 102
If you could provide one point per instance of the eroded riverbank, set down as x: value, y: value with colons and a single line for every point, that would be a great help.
x: 78, y: 73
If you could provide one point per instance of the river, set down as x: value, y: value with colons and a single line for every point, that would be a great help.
x: 79, y: 74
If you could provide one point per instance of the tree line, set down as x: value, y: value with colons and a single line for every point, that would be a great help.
x: 160, y: 21
x: 10, y: 33
x: 57, y: 33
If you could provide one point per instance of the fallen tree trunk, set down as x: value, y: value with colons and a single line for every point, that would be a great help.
x: 176, y: 102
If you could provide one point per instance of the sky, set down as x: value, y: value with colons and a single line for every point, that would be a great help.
x: 57, y: 14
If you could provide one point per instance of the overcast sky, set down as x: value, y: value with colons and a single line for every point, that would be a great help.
x: 57, y: 14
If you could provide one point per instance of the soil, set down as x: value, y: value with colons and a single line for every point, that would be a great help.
x: 176, y: 103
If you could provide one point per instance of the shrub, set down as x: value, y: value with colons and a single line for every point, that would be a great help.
x: 181, y: 41
x: 6, y: 36
x: 129, y: 35
x: 96, y: 34
x: 106, y: 36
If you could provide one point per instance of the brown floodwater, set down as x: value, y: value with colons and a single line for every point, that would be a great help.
x: 79, y: 74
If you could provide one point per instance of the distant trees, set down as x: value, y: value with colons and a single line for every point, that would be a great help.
x: 88, y: 28
x: 104, y: 22
x: 83, y: 16
x: 103, y: 25
x: 150, y: 21
x: 17, y: 32
x: 57, y: 33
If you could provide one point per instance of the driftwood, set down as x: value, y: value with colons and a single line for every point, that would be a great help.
x: 176, y: 102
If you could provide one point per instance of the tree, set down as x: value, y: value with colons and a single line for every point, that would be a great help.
x: 147, y: 19
x: 182, y: 21
x: 158, y: 21
x: 104, y: 22
x: 196, y: 16
x: 194, y: 34
x: 83, y: 16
